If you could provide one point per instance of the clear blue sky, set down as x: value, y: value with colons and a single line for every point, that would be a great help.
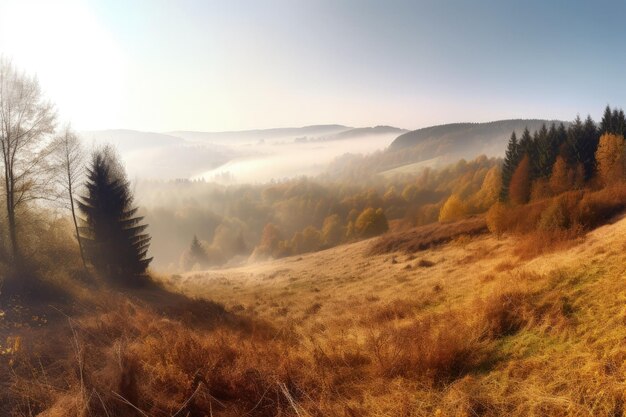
x: 222, y: 65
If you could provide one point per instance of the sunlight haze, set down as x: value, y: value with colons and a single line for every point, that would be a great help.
x: 212, y: 66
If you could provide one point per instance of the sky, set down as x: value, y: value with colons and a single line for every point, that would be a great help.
x: 209, y: 65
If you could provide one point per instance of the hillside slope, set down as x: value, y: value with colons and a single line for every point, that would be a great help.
x: 511, y: 336
x: 465, y: 139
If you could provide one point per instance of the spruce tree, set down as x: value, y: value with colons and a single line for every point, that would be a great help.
x: 617, y: 122
x: 606, y: 124
x: 115, y: 242
x: 511, y: 159
x: 575, y: 135
x: 589, y: 145
x: 528, y: 146
x: 547, y: 150
x: 197, y: 254
x: 526, y: 142
x: 561, y: 133
x: 613, y: 121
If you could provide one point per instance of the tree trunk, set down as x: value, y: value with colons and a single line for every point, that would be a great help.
x: 80, y: 243
x: 11, y: 215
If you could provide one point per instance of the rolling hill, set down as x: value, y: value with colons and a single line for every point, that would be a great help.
x: 492, y: 332
x: 463, y: 140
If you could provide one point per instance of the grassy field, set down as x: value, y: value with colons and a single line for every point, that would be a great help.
x: 469, y: 327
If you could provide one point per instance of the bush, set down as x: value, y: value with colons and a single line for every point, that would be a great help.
x: 596, y: 208
x: 497, y: 218
x: 554, y: 217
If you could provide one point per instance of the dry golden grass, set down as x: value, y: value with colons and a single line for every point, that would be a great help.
x: 480, y: 331
x: 424, y: 237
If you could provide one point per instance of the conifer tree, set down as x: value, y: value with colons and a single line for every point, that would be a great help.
x: 511, y: 160
x: 613, y: 121
x: 115, y: 242
x: 526, y: 143
x: 548, y: 149
x: 606, y: 125
x: 589, y: 146
x: 575, y: 135
x: 197, y: 254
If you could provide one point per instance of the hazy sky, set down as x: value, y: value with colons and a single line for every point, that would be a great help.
x: 223, y: 65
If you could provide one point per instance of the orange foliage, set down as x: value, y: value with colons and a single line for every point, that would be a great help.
x: 519, y: 189
x: 610, y: 158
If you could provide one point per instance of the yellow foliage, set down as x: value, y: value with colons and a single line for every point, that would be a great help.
x: 489, y: 190
x: 371, y: 222
x: 453, y: 209
x: 610, y: 158
x: 496, y: 218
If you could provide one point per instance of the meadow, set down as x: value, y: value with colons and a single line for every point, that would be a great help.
x: 463, y: 327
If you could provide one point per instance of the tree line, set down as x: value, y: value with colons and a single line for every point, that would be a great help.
x: 306, y: 214
x: 554, y: 159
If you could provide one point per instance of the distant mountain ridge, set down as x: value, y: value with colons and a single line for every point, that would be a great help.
x: 262, y: 134
x: 369, y: 131
x: 466, y: 139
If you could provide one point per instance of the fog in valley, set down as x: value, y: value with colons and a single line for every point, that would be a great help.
x: 182, y: 179
x: 227, y: 188
x: 239, y: 157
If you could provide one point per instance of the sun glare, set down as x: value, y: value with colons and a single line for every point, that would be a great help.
x: 76, y: 59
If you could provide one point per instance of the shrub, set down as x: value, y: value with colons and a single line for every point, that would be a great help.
x: 598, y: 207
x: 497, y: 218
x: 554, y: 217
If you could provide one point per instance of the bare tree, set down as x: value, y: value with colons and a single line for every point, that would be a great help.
x: 26, y: 122
x: 69, y: 157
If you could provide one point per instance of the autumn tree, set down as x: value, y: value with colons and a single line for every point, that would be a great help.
x: 26, y: 122
x: 371, y: 222
x: 559, y: 180
x: 228, y: 238
x: 489, y: 189
x: 409, y: 193
x: 453, y: 209
x: 309, y: 240
x: 332, y: 230
x: 610, y: 158
x: 270, y: 240
x: 519, y: 188
x: 70, y: 158
x: 527, y: 146
x: 496, y: 218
